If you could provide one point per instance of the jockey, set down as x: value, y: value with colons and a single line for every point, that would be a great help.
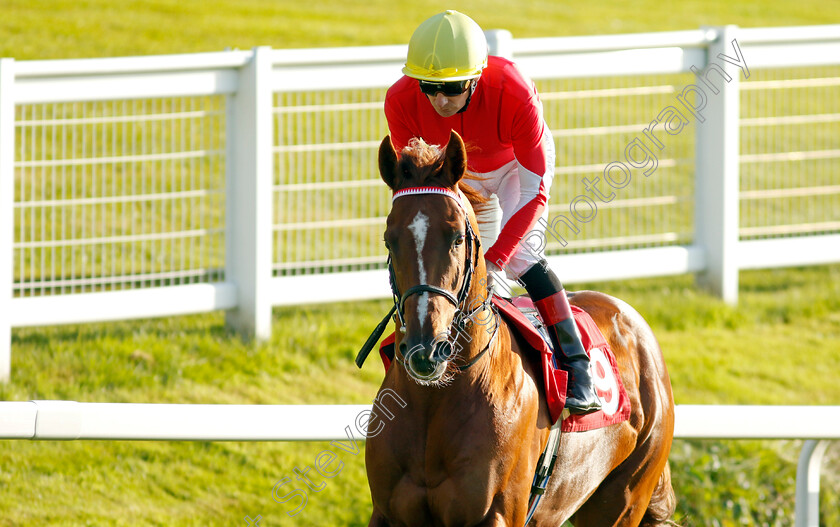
x: 450, y: 83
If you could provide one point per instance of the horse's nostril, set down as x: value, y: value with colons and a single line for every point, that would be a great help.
x: 403, y: 347
x: 443, y: 351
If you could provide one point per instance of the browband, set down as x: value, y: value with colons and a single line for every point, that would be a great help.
x: 429, y: 190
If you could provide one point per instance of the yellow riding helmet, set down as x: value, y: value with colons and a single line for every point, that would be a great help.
x: 449, y: 46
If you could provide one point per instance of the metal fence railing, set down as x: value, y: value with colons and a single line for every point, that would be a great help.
x: 115, y: 195
x: 154, y: 186
x: 330, y: 203
x: 790, y: 153
x: 593, y: 120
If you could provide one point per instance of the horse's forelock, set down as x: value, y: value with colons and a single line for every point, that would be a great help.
x: 421, y: 153
x: 422, y: 161
x: 419, y: 161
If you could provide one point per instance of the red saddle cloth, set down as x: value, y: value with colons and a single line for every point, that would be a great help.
x: 615, y: 404
x: 614, y: 400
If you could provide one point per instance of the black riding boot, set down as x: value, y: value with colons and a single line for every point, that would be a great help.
x: 550, y: 300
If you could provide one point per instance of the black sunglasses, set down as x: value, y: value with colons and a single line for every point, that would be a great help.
x: 450, y: 89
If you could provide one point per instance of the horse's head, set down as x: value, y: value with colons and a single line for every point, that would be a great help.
x: 432, y: 248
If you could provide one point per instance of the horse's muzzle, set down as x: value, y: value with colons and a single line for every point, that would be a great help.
x: 426, y: 361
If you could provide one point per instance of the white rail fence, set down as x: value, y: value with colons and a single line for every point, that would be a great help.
x: 157, y: 186
x: 71, y: 420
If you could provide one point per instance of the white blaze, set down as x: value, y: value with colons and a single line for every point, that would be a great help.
x: 419, y: 227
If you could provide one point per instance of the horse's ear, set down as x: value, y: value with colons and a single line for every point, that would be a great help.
x: 388, y: 164
x: 455, y: 159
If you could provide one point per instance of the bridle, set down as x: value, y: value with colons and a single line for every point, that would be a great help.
x: 546, y: 463
x: 473, y: 245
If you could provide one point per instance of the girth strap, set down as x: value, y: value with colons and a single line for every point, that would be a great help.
x: 545, y: 467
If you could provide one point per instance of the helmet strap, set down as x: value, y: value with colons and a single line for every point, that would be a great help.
x: 473, y: 84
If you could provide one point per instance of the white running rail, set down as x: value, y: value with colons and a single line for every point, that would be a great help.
x: 71, y: 420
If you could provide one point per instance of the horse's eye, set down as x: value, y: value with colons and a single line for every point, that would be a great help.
x: 459, y: 240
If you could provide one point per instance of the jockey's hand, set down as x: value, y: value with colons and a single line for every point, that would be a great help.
x: 492, y: 268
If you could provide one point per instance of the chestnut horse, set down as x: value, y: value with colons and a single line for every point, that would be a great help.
x: 463, y: 450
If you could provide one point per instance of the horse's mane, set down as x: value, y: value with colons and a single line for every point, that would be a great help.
x: 424, y: 161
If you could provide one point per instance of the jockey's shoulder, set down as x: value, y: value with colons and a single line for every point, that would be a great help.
x: 503, y: 74
x: 404, y: 87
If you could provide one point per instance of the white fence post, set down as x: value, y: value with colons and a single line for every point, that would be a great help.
x: 807, y: 508
x: 716, y: 214
x: 7, y: 217
x: 500, y: 42
x: 248, y: 240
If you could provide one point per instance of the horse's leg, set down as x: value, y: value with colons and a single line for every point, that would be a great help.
x: 662, y: 503
x: 629, y: 499
x: 638, y: 491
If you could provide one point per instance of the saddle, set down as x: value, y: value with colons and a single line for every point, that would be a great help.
x: 524, y: 319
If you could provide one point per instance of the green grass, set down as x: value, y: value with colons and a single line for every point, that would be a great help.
x: 44, y: 29
x: 781, y: 346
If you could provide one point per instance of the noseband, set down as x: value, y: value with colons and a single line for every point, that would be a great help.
x: 473, y: 245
